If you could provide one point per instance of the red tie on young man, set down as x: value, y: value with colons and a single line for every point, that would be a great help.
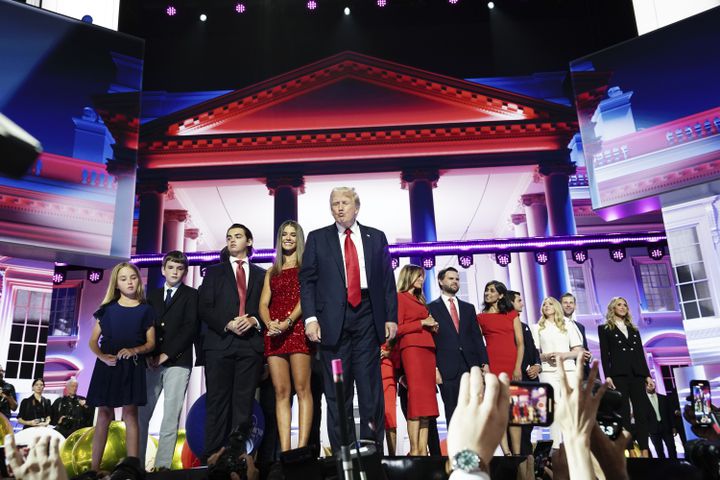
x: 241, y: 285
x: 352, y: 268
x: 454, y: 314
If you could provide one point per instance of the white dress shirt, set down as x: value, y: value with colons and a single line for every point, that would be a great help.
x: 166, y: 287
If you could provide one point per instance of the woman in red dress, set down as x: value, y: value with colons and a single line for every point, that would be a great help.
x: 287, y: 349
x: 417, y: 352
x: 501, y: 327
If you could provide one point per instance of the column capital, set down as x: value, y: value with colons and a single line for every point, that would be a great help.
x: 159, y: 187
x: 124, y: 161
x: 557, y: 168
x: 431, y: 175
x: 518, y: 218
x: 292, y: 181
x: 175, y: 215
x: 192, y: 233
x: 533, y: 199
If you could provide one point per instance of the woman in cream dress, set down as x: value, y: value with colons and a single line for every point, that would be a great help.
x: 556, y: 339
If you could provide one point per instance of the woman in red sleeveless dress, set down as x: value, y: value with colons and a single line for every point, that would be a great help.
x: 287, y: 349
x: 417, y: 351
x: 500, y: 325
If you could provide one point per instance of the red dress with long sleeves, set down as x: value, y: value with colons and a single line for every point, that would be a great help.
x: 417, y: 350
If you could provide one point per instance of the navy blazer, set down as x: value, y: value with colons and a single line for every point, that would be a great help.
x: 323, y: 292
x: 219, y: 303
x: 176, y: 325
x: 531, y: 356
x: 456, y: 352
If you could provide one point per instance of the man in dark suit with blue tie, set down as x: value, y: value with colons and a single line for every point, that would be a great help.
x: 229, y: 301
x: 530, y: 367
x: 349, y: 305
x: 459, y: 345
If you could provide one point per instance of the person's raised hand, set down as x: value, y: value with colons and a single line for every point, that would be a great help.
x: 610, y: 454
x: 526, y: 470
x: 312, y: 331
x: 42, y: 462
x: 578, y: 409
x: 481, y: 416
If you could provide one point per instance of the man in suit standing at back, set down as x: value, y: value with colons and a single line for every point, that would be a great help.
x: 229, y: 300
x: 568, y: 305
x: 459, y: 345
x: 349, y: 304
x: 661, y: 421
x: 530, y: 367
x: 176, y: 327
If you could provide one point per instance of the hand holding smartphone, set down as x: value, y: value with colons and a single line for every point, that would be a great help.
x: 701, y: 401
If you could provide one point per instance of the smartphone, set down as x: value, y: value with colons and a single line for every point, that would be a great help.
x: 702, y: 401
x: 541, y: 454
x: 610, y: 425
x: 531, y: 404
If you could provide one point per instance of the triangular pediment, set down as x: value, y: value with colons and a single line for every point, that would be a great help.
x: 347, y: 91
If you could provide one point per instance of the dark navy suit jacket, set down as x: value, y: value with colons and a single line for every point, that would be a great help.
x: 531, y: 356
x: 323, y: 292
x: 456, y: 352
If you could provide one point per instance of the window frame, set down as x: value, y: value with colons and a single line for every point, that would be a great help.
x: 639, y: 287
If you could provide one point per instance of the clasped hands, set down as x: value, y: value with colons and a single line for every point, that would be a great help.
x: 278, y: 327
x: 111, y: 360
x: 241, y: 325
x: 430, y: 323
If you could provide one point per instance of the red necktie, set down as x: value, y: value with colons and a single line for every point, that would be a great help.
x: 352, y: 269
x: 241, y: 285
x: 454, y: 315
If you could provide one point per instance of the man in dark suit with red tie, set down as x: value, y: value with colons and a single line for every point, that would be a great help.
x: 349, y: 305
x: 229, y: 300
x: 459, y: 344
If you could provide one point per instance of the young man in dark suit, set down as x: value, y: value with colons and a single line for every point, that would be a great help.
x: 169, y: 365
x: 229, y: 300
x: 661, y: 421
x: 531, y: 367
x: 459, y: 345
x: 349, y: 305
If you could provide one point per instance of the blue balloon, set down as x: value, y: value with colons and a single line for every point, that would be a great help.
x: 195, y: 427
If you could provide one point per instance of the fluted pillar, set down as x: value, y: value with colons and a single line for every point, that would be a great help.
x: 420, y: 184
x: 190, y: 245
x: 174, y: 230
x: 532, y: 290
x: 515, y: 278
x: 285, y: 190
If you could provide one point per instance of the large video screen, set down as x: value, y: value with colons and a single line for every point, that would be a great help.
x: 649, y: 112
x: 75, y: 88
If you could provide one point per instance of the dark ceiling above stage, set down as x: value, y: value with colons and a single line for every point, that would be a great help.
x: 464, y: 40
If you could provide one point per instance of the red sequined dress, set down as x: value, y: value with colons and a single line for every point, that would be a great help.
x: 285, y: 294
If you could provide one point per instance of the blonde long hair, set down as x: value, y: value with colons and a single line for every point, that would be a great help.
x: 113, y: 293
x: 408, y: 275
x: 558, y: 318
x: 299, y: 246
x: 610, y: 315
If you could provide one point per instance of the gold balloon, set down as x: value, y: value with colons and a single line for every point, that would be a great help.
x: 114, y: 449
x: 5, y: 428
x: 177, y: 455
x: 66, y: 450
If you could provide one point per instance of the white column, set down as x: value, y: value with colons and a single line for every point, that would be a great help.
x: 190, y: 246
x: 174, y: 230
x: 531, y: 287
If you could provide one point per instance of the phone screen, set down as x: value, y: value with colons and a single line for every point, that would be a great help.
x: 531, y: 403
x: 702, y: 401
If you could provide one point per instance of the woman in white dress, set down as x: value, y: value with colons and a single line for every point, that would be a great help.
x: 558, y: 342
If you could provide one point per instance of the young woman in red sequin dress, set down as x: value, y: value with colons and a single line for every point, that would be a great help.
x: 287, y: 349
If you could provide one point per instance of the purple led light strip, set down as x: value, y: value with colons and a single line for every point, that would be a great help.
x: 495, y: 245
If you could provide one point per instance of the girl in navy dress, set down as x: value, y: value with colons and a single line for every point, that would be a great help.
x: 125, y: 323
